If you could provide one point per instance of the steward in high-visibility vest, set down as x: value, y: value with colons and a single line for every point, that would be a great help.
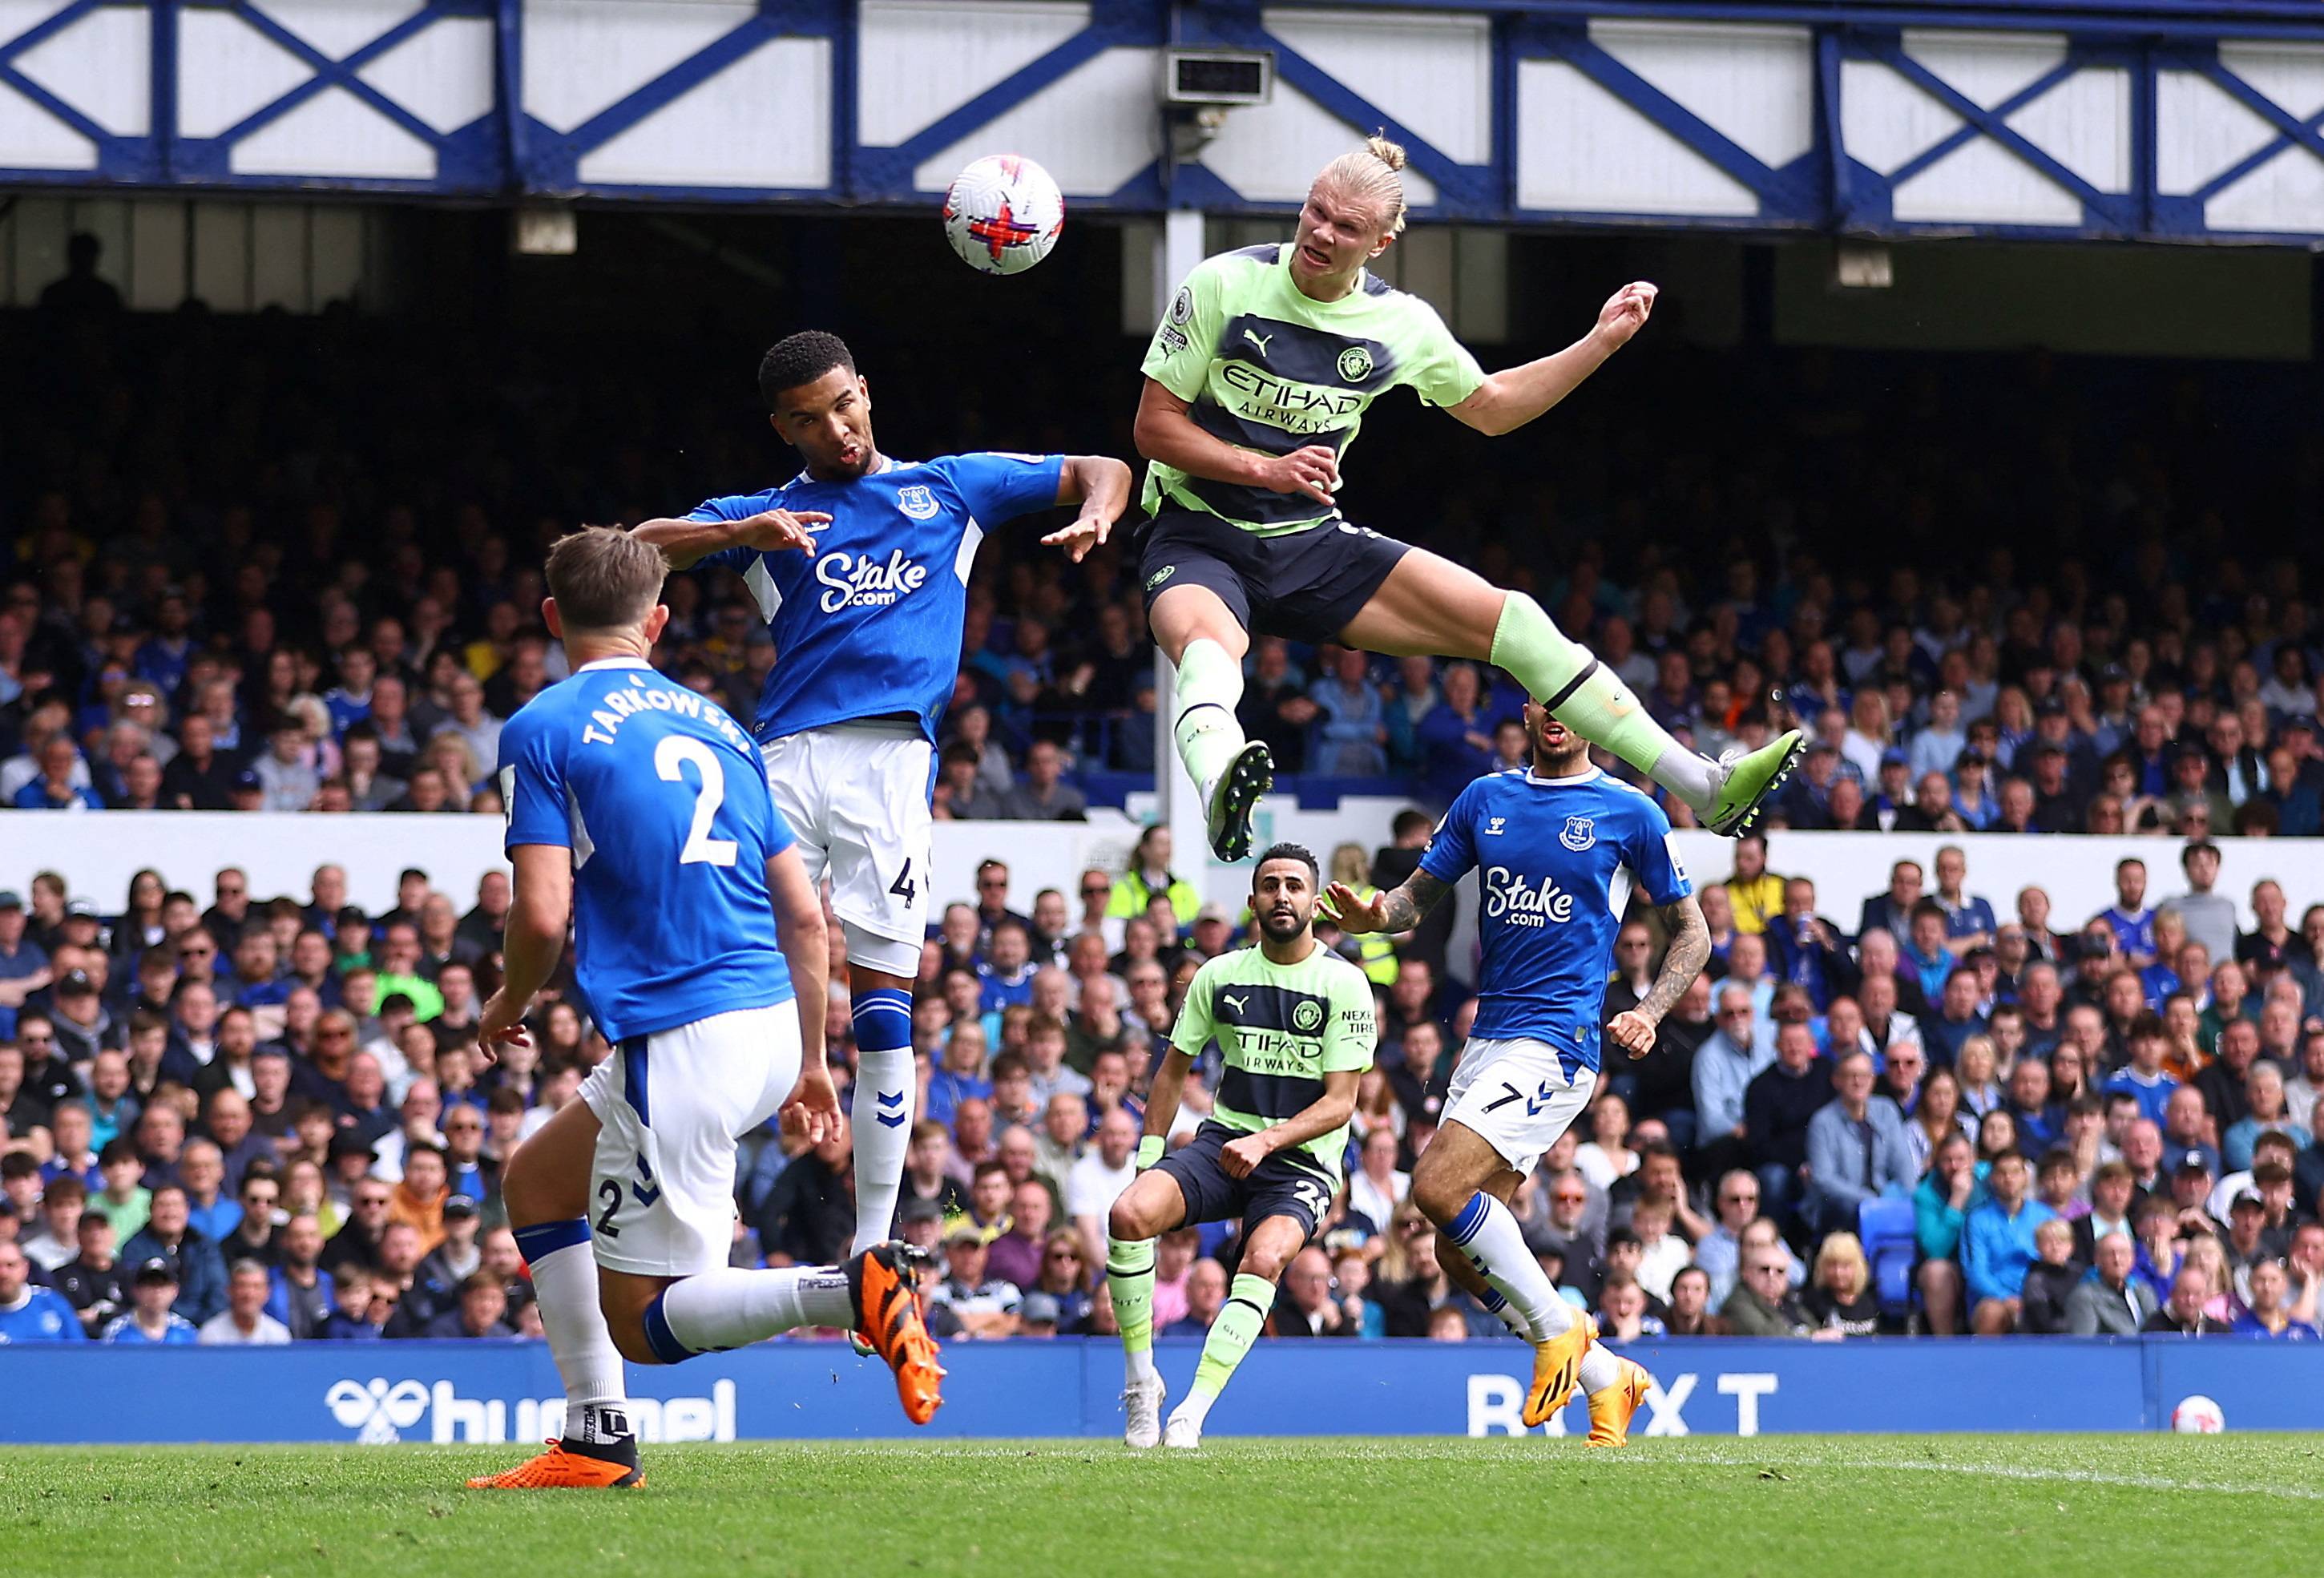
x: 1149, y: 874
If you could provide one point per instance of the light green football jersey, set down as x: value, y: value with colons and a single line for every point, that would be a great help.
x: 1268, y: 367
x: 1280, y: 1029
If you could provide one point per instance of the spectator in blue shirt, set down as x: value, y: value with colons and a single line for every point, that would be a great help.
x: 1968, y: 919
x: 1805, y: 949
x: 2129, y: 919
x: 2267, y: 1317
x: 30, y: 1314
x: 1725, y: 1065
x: 1924, y: 956
x: 154, y: 1290
x: 960, y: 1071
x: 2142, y: 1078
x: 1456, y: 737
x: 1957, y: 1017
x: 1007, y: 978
x: 53, y: 789
x: 1351, y: 728
x: 1857, y: 1148
x: 1953, y: 1186
x: 1997, y: 1244
x: 196, y: 1274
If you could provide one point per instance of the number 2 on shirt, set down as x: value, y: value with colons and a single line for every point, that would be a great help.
x: 669, y: 759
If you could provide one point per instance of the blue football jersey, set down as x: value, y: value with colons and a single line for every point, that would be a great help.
x: 1556, y: 858
x: 663, y: 801
x: 869, y: 625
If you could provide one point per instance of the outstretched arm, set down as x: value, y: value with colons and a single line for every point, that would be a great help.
x: 1100, y: 485
x: 1400, y: 908
x: 685, y: 543
x: 1509, y: 399
x: 1683, y: 961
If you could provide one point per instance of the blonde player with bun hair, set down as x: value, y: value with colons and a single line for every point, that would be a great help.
x: 1256, y: 383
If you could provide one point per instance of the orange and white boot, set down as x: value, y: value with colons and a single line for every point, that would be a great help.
x: 883, y: 1281
x: 1612, y: 1408
x: 1557, y: 1370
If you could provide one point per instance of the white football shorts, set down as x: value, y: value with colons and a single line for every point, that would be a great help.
x: 1516, y: 1093
x: 856, y: 797
x: 669, y: 1107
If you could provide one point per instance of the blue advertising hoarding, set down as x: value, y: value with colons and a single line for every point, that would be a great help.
x: 507, y: 1391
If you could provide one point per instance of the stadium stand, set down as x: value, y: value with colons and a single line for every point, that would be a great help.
x: 2089, y: 628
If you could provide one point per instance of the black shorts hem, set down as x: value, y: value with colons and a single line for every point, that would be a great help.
x: 1307, y: 585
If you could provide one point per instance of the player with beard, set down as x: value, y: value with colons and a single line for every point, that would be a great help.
x: 1559, y: 845
x: 1294, y: 1025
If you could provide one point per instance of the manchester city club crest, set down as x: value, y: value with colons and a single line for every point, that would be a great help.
x: 917, y: 501
x: 1355, y: 365
x: 1309, y: 1017
x: 1579, y: 832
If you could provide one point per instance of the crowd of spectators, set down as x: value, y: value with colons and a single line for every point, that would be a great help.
x: 292, y: 567
x: 266, y: 1121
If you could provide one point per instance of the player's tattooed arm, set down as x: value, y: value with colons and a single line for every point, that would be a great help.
x: 1399, y: 909
x: 685, y: 543
x: 1683, y: 961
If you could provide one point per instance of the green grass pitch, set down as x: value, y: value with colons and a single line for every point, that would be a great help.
x: 1874, y: 1506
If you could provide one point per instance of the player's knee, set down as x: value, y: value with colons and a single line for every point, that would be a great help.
x: 1126, y: 1221
x: 1439, y: 1196
x: 1261, y: 1262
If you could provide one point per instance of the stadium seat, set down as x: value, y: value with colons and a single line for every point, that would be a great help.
x: 1886, y: 1225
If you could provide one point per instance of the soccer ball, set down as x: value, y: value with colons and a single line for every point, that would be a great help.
x: 1003, y: 214
x: 2197, y: 1416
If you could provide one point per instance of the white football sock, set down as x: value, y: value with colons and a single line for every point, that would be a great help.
x: 1487, y: 1233
x: 731, y: 1307
x: 1599, y: 1368
x: 1208, y: 736
x: 887, y: 1096
x: 565, y: 1277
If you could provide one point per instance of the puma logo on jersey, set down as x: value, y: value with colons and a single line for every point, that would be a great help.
x: 861, y: 580
x: 1257, y: 338
x: 1241, y: 1004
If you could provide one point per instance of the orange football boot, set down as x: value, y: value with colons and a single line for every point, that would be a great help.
x: 559, y: 1470
x: 1611, y: 1410
x: 883, y: 1282
x: 1557, y: 1369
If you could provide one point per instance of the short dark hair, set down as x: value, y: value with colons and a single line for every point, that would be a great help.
x: 801, y: 358
x: 1298, y: 851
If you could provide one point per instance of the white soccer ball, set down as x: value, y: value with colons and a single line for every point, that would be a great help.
x: 2197, y: 1416
x: 1003, y: 214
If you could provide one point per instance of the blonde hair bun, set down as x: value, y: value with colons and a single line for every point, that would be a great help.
x: 1388, y: 154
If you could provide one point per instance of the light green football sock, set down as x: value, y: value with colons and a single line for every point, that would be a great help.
x: 1209, y: 684
x: 1129, y: 1277
x: 1591, y: 701
x: 1231, y: 1335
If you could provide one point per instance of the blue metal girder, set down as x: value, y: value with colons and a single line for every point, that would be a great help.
x: 508, y: 153
x: 467, y: 158
x: 118, y: 159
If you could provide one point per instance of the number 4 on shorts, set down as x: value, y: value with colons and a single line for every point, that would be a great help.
x: 903, y: 887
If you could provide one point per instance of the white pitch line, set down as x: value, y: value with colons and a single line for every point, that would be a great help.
x: 1996, y: 1472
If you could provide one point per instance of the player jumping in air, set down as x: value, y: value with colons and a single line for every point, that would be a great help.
x: 1256, y: 382
x: 639, y: 810
x: 1293, y: 1023
x: 1558, y: 847
x: 859, y: 565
